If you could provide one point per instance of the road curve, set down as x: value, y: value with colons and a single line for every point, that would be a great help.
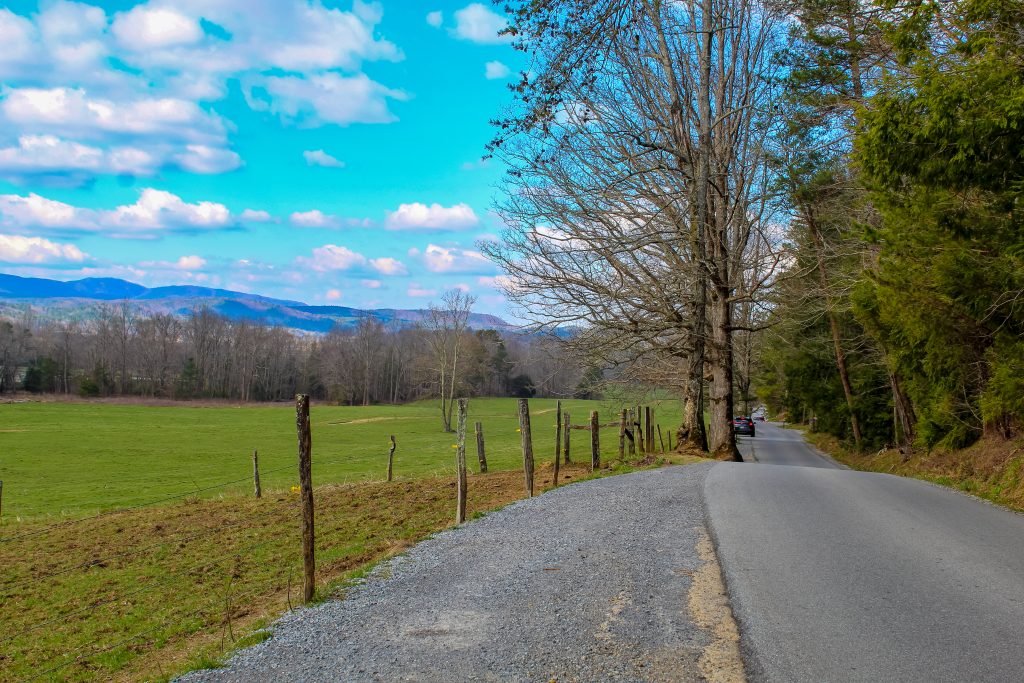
x: 837, y: 575
x: 774, y: 445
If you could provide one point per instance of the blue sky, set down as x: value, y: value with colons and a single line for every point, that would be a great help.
x: 327, y: 152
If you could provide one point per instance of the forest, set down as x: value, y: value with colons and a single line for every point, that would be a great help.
x: 900, y: 320
x: 205, y: 355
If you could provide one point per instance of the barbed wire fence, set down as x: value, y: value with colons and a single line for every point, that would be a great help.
x: 197, y: 575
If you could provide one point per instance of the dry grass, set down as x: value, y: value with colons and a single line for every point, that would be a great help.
x: 991, y: 468
x: 148, y: 593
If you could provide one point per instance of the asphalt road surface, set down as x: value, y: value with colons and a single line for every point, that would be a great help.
x: 774, y: 445
x: 837, y: 575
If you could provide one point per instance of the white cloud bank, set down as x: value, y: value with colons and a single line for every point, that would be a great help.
x: 319, y: 157
x: 417, y: 216
x: 478, y: 23
x: 495, y: 70
x: 35, y: 250
x: 155, y: 212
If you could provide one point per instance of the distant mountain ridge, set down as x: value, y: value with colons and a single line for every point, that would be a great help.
x: 81, y: 299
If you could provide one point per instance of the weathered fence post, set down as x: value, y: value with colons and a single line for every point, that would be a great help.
x: 256, y: 473
x: 306, y: 488
x: 629, y: 432
x: 567, y: 423
x: 480, y: 456
x: 622, y: 435
x: 460, y: 465
x: 391, y: 457
x: 660, y: 439
x: 595, y: 442
x: 558, y: 439
x: 640, y: 447
x: 649, y: 429
x: 527, y: 441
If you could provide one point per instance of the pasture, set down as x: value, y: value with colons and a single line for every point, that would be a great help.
x: 148, y: 591
x: 76, y: 459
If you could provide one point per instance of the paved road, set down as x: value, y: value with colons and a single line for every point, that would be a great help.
x: 774, y: 445
x: 587, y: 583
x: 837, y: 575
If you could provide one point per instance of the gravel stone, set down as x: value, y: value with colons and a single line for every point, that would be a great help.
x: 586, y: 583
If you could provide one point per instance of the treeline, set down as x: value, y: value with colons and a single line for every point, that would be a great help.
x: 205, y: 355
x: 901, y: 317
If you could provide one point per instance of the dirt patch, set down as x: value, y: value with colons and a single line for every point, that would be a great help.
x: 720, y: 662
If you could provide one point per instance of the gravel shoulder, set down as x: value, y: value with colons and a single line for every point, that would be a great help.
x: 610, y: 579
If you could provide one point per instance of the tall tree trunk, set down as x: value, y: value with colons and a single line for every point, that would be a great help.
x: 723, y: 440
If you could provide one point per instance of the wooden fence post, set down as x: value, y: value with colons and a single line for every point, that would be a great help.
x: 649, y: 429
x: 306, y: 487
x: 391, y: 457
x: 630, y: 431
x: 558, y: 439
x: 660, y: 439
x: 640, y: 447
x: 595, y: 442
x: 527, y: 441
x: 480, y: 456
x: 460, y: 465
x: 622, y: 435
x: 566, y: 424
x: 256, y: 473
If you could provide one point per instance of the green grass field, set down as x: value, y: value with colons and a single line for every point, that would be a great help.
x: 77, y: 459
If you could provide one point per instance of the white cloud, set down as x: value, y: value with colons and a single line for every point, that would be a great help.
x: 326, y: 98
x: 21, y: 249
x: 333, y: 257
x: 313, y: 219
x: 319, y: 157
x: 141, y: 78
x: 388, y: 266
x: 417, y: 216
x: 153, y: 28
x: 333, y: 294
x: 187, y: 263
x: 439, y: 259
x: 72, y: 112
x: 155, y: 211
x: 501, y: 282
x: 371, y: 284
x: 418, y: 291
x: 208, y: 160
x: 496, y: 70
x: 435, y: 18
x: 478, y: 23
x: 254, y: 216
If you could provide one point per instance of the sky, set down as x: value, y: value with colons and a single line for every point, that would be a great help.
x: 328, y: 152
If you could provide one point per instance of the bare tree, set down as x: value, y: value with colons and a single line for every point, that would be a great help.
x: 639, y: 179
x: 446, y: 324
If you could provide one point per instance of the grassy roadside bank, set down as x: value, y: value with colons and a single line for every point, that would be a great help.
x: 149, y: 593
x: 990, y: 469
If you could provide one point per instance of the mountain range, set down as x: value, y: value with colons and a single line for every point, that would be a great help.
x: 83, y: 299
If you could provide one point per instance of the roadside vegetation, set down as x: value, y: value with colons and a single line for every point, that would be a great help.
x: 989, y: 468
x: 900, y: 322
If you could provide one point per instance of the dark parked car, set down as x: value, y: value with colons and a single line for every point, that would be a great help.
x: 743, y: 425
